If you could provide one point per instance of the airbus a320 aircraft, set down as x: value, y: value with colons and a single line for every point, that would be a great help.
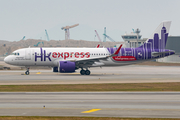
x: 67, y: 60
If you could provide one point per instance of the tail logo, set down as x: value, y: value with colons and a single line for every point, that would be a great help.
x: 157, y: 43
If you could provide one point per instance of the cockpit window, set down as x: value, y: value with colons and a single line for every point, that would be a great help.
x: 15, y: 54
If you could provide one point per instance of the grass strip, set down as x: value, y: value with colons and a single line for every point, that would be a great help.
x: 75, y: 118
x: 93, y: 87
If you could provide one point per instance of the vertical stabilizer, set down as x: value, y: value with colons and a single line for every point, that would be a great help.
x: 158, y: 39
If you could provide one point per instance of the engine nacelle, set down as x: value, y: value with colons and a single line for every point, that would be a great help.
x: 67, y: 66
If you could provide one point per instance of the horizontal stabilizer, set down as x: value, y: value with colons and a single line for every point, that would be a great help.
x: 160, y: 53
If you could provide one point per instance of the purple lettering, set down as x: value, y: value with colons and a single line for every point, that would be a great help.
x: 41, y: 56
x: 48, y: 56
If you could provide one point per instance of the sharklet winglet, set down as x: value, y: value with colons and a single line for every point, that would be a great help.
x: 117, y: 51
x: 98, y: 46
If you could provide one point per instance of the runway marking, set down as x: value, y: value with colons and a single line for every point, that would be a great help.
x: 38, y: 73
x: 92, y: 110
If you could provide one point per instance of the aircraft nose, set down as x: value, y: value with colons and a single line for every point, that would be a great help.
x: 6, y: 59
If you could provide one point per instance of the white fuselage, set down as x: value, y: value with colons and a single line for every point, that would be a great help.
x: 51, y: 56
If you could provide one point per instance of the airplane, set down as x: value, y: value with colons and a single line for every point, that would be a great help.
x: 68, y: 60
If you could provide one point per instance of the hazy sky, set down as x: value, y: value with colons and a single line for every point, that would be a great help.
x: 30, y: 18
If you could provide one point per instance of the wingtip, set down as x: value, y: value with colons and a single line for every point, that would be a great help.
x: 117, y: 51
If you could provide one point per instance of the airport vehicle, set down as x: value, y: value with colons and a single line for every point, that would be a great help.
x: 67, y: 60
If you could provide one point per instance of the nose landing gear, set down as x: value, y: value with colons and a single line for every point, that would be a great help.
x: 27, y: 71
x: 85, y: 72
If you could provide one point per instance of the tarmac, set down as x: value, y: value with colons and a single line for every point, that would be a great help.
x: 96, y: 104
x: 122, y: 74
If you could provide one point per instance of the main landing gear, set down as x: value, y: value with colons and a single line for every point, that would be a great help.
x: 85, y: 72
x: 27, y: 71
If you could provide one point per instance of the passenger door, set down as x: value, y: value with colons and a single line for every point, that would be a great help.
x: 28, y: 54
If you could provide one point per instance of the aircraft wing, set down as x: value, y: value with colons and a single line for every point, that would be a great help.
x: 96, y: 59
x: 90, y: 61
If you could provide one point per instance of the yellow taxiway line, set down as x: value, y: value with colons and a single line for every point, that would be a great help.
x: 38, y: 73
x: 92, y: 110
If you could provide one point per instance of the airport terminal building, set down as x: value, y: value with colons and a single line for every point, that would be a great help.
x: 133, y: 39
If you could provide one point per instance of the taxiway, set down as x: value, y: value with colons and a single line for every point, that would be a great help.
x: 123, y: 74
x: 99, y: 104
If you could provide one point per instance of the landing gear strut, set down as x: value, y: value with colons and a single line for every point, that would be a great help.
x: 85, y: 72
x: 27, y: 71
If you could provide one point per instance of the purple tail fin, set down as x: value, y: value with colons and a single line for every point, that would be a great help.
x: 159, y: 38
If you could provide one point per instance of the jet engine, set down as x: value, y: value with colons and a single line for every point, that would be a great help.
x: 65, y: 67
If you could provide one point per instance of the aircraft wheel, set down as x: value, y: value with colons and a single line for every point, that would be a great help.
x: 87, y: 72
x: 82, y: 72
x: 27, y: 72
